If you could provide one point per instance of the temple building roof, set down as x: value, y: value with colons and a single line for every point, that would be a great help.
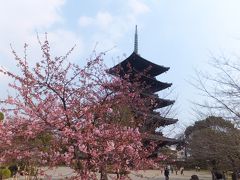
x: 153, y: 85
x: 155, y: 120
x: 160, y: 103
x: 162, y: 139
x: 157, y: 102
x: 139, y: 64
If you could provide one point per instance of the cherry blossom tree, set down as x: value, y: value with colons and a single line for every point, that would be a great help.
x: 64, y: 114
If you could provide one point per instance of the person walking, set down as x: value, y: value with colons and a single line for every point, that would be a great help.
x: 181, y: 170
x: 176, y: 170
x: 166, y: 173
x: 161, y: 169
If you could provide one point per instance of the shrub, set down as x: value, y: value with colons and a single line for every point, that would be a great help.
x: 5, y: 173
x: 1, y: 116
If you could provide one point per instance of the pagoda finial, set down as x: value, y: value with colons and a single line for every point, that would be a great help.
x: 136, y: 41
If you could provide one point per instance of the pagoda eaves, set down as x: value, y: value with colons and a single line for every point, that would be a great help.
x: 140, y: 64
x: 158, y: 102
x: 153, y: 85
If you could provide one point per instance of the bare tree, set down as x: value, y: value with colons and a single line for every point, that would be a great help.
x: 221, y: 88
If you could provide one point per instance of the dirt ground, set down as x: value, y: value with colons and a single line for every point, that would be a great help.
x: 156, y: 175
x: 61, y: 173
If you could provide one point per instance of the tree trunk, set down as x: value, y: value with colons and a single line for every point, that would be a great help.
x: 118, y: 175
x: 103, y: 175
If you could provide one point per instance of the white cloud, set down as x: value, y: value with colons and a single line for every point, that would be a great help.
x: 20, y: 19
x: 104, y: 19
x: 30, y: 14
x: 62, y: 41
x: 85, y: 21
x: 138, y: 7
x: 111, y: 27
x: 19, y: 22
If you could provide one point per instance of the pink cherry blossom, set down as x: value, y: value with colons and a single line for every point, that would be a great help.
x: 64, y: 114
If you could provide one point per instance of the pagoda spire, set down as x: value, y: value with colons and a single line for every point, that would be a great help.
x: 136, y: 41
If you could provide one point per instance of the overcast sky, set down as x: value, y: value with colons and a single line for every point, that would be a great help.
x: 177, y: 34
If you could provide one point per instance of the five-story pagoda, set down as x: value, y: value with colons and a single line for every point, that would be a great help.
x: 146, y: 71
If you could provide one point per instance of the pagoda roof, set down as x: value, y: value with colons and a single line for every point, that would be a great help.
x: 159, y: 102
x: 160, y: 138
x: 136, y: 62
x: 155, y: 118
x: 153, y: 85
x: 156, y: 121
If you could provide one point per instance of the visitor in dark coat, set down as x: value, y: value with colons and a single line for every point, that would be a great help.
x: 194, y: 177
x: 166, y: 173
